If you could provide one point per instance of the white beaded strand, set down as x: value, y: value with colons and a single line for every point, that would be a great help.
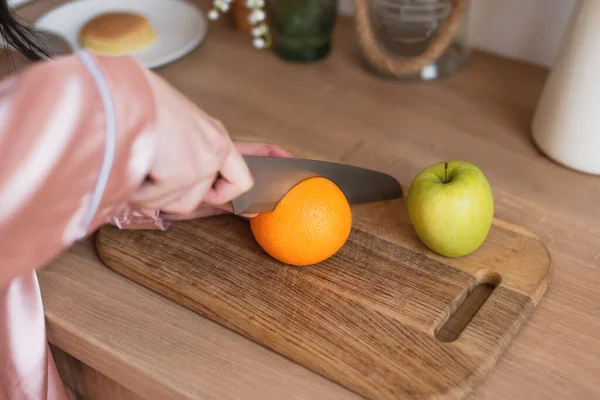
x: 261, y: 37
x: 219, y: 7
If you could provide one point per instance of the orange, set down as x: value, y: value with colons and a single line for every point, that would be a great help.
x: 309, y: 225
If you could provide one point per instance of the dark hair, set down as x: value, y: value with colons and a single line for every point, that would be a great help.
x: 18, y: 35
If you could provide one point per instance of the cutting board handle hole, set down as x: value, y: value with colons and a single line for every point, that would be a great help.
x: 451, y: 329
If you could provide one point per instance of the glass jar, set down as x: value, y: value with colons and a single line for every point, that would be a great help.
x: 413, y: 39
x: 302, y: 29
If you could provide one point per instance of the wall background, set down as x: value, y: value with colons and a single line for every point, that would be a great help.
x: 528, y: 30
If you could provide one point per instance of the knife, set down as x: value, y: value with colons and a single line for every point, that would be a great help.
x: 274, y: 177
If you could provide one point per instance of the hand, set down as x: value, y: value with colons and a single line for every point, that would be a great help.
x: 246, y: 148
x: 192, y: 148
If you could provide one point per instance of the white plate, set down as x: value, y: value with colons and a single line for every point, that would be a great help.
x: 180, y: 25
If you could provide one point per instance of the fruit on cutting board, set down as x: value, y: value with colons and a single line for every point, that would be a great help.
x: 451, y: 207
x: 309, y: 225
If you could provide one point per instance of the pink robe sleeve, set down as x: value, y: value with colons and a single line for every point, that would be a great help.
x: 76, y: 139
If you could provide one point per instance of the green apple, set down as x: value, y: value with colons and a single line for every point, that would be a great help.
x: 451, y: 207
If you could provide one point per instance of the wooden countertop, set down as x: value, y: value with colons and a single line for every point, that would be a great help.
x: 336, y: 110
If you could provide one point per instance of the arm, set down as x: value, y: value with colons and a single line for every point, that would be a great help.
x: 76, y: 140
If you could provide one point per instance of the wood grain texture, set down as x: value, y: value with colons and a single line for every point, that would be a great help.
x: 366, y: 318
x: 159, y: 349
x: 87, y: 383
x: 335, y: 110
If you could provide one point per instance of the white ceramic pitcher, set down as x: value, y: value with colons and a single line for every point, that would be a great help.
x: 566, y: 123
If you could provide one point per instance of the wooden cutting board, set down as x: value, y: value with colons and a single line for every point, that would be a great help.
x: 383, y: 317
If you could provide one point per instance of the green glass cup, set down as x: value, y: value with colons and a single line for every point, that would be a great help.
x: 302, y: 29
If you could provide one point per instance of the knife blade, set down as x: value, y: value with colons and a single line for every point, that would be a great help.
x: 274, y: 177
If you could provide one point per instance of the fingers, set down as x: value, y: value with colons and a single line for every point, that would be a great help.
x: 235, y: 180
x: 156, y: 196
x: 248, y: 216
x: 188, y: 202
x: 262, y: 149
